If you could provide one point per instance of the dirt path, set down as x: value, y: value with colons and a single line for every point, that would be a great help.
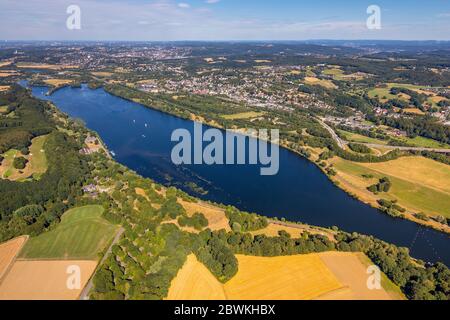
x: 84, y: 295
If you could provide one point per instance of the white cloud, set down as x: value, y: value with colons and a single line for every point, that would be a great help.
x: 212, y: 1
x: 184, y: 5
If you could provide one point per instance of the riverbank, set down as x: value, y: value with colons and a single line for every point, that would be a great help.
x: 358, y: 194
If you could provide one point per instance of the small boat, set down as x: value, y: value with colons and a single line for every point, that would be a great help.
x: 112, y: 153
x: 146, y: 125
x: 143, y: 136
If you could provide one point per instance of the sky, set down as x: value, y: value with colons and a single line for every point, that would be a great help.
x: 169, y: 20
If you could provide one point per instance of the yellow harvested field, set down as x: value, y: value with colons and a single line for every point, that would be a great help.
x: 44, y: 280
x: 5, y: 63
x: 299, y: 277
x: 58, y: 82
x: 329, y: 275
x: 195, y: 282
x: 324, y: 83
x: 351, y: 270
x: 243, y: 115
x: 263, y: 61
x: 215, y: 216
x: 5, y: 73
x: 4, y: 88
x: 102, y: 74
x: 44, y: 66
x: 418, y: 170
x: 8, y: 252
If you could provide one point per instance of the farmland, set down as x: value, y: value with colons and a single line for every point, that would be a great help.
x: 419, y: 184
x: 301, y: 277
x: 82, y: 234
x: 44, y: 280
x: 8, y: 252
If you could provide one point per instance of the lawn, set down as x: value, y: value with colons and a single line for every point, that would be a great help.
x: 419, y: 184
x: 354, y: 137
x: 82, y: 234
x: 36, y: 166
x: 425, y: 143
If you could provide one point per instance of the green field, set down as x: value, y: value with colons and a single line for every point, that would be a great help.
x: 354, y: 137
x: 425, y: 143
x: 38, y: 160
x: 428, y: 197
x: 82, y: 234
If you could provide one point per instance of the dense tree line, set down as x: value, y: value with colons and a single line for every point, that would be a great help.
x: 243, y: 221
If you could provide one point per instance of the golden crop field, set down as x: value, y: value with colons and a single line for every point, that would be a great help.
x: 58, y: 82
x: 418, y: 170
x: 299, y: 277
x: 316, y: 81
x: 44, y: 280
x: 418, y: 184
x: 195, y: 282
x: 329, y: 275
x: 8, y: 251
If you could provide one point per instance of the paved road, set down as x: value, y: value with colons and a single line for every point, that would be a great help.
x: 342, y: 143
x: 85, y: 293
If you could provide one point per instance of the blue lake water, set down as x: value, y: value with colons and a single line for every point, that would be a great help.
x: 141, y: 139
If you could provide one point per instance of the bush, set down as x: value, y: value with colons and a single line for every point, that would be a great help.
x: 20, y: 163
x: 360, y: 148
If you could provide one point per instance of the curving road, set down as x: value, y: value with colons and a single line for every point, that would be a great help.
x: 342, y: 143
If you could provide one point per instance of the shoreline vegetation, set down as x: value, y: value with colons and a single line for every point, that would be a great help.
x: 392, y: 155
x: 151, y: 253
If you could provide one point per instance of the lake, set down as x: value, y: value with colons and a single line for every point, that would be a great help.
x: 140, y: 138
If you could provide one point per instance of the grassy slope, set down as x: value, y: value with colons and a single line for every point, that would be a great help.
x: 81, y: 234
x: 418, y: 185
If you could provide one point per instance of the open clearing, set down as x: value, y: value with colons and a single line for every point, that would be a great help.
x: 36, y: 166
x: 243, y: 115
x: 324, y: 83
x: 58, y: 82
x: 8, y: 252
x: 43, y: 280
x: 215, y: 216
x: 82, y: 234
x: 419, y: 184
x: 299, y: 277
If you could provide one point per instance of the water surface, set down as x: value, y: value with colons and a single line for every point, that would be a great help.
x: 140, y: 139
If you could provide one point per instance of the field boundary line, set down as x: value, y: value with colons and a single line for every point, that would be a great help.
x: 13, y: 261
x: 84, y: 294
